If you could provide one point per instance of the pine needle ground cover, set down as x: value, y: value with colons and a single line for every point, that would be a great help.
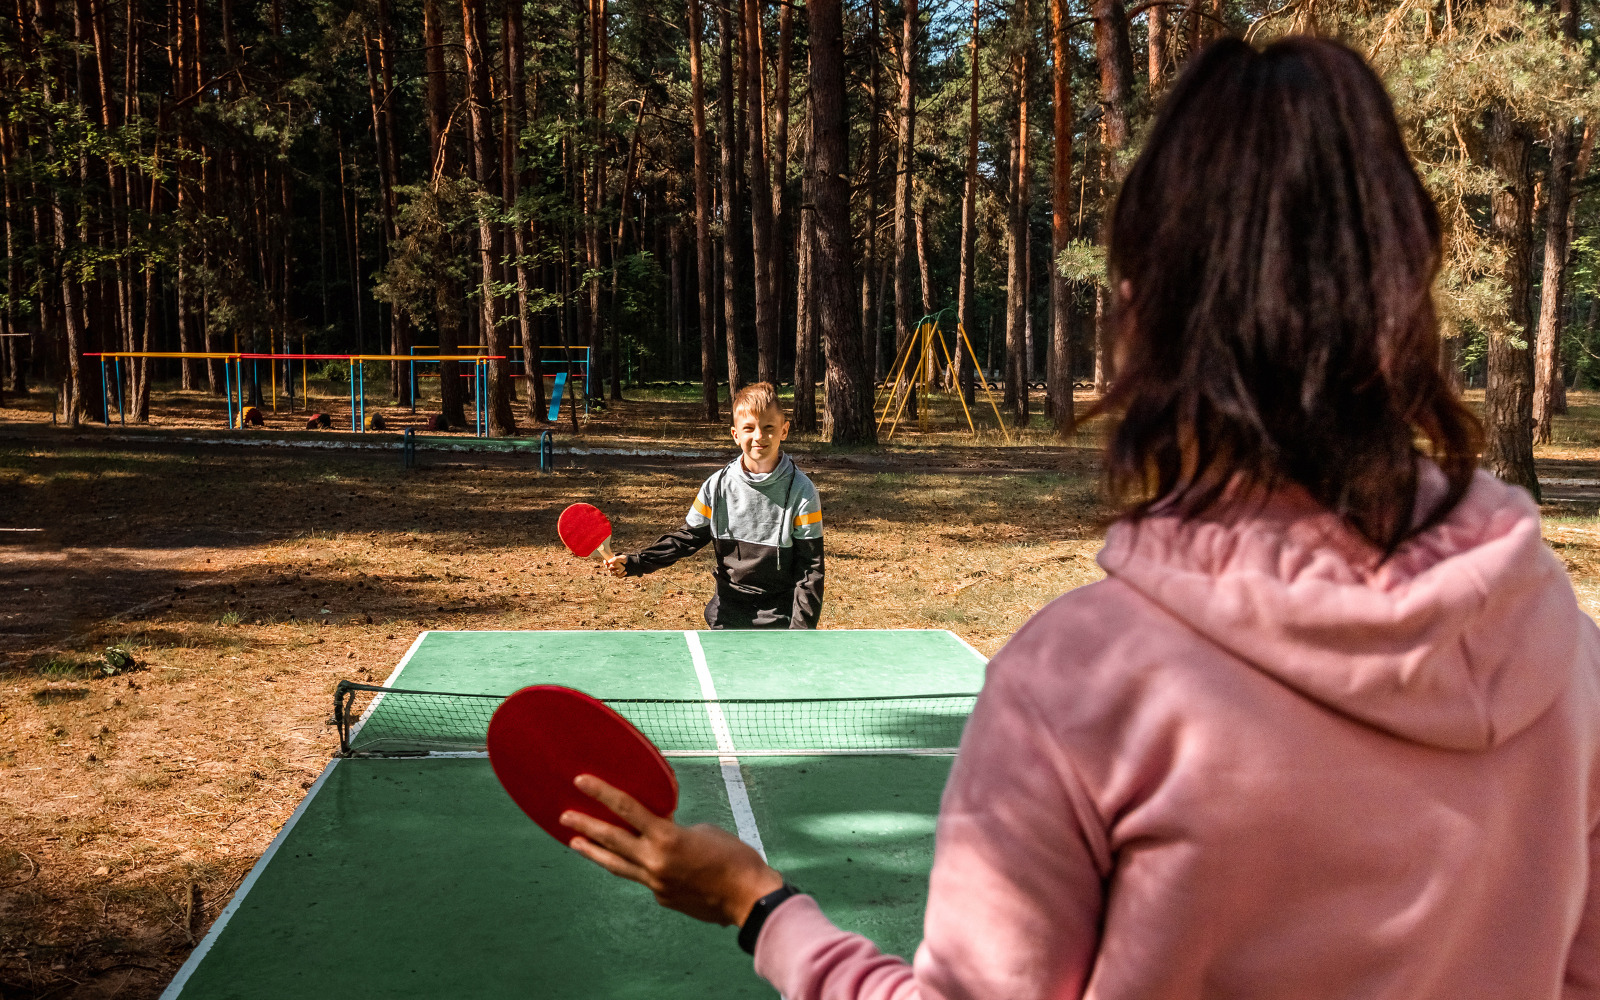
x: 177, y: 618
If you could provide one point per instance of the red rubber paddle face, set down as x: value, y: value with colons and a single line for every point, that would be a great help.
x: 544, y: 736
x: 583, y: 529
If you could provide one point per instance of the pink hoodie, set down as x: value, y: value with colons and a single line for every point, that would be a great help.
x: 1253, y: 763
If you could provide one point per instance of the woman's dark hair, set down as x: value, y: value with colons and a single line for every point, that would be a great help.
x: 1272, y: 258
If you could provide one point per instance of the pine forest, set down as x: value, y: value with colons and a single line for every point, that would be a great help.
x: 716, y: 193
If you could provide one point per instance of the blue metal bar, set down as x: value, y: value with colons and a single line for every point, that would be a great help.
x: 227, y: 380
x: 105, y: 395
x: 350, y: 376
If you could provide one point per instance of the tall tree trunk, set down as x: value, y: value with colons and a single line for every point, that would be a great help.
x: 1549, y: 395
x: 1158, y: 49
x: 702, y: 218
x: 1059, y: 371
x: 1508, y: 400
x: 502, y: 423
x: 848, y: 385
x: 377, y: 100
x: 12, y: 371
x: 1547, y: 388
x: 1016, y: 238
x: 920, y: 217
x: 516, y: 111
x: 442, y: 163
x: 1114, y: 52
x: 116, y: 186
x: 760, y: 199
x: 727, y: 128
x: 599, y: 112
x: 906, y: 112
x: 965, y: 298
x: 805, y: 347
x: 783, y: 236
x: 400, y: 338
x: 178, y: 53
x: 64, y: 235
x: 871, y: 315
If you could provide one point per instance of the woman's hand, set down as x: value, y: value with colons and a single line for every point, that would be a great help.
x: 701, y: 870
x: 617, y: 565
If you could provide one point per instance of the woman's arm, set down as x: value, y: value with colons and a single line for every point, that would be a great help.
x: 1014, y: 902
x: 1583, y: 958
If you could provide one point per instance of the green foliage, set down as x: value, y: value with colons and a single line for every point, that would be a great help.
x: 430, y: 264
x: 338, y: 372
x: 1083, y: 261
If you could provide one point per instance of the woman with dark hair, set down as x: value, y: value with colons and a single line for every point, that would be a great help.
x: 1331, y: 725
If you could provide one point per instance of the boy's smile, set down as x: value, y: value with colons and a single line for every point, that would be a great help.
x: 760, y: 438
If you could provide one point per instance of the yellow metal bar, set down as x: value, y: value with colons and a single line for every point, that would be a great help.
x: 262, y: 357
x: 195, y: 355
x: 948, y: 360
x: 419, y: 357
x: 891, y: 385
x: 909, y: 390
x: 930, y: 362
x: 983, y: 381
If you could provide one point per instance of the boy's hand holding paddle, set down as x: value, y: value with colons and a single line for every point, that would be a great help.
x: 586, y: 531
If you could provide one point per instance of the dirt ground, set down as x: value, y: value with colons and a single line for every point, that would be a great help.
x: 246, y: 581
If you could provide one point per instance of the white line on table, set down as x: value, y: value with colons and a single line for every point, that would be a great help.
x: 744, y: 817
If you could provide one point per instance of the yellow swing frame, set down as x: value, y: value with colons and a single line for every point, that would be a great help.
x: 928, y: 333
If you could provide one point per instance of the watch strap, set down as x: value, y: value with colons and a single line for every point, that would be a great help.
x: 751, y: 930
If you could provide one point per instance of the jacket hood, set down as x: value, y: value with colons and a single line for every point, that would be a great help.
x: 1459, y: 640
x: 774, y: 484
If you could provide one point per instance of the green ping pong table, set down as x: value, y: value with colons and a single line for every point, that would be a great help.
x: 416, y: 876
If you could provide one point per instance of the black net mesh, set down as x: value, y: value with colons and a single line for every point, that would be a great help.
x: 381, y: 722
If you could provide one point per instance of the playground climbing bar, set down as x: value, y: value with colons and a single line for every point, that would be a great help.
x: 233, y: 376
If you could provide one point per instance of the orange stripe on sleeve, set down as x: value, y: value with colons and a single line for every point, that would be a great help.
x: 805, y: 519
x: 701, y: 509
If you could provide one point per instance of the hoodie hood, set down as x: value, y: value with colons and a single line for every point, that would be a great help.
x: 773, y: 485
x: 1459, y: 640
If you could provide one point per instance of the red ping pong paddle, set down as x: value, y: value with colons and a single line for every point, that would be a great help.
x: 544, y: 736
x: 585, y: 530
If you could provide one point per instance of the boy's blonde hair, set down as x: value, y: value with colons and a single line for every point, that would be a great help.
x: 756, y: 398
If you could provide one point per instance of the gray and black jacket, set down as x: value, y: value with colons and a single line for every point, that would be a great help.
x: 766, y: 532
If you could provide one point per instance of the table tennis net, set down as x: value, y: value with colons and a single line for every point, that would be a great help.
x: 377, y: 721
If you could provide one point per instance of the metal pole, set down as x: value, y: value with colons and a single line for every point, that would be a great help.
x: 227, y: 381
x: 413, y: 366
x: 105, y: 394
x: 122, y: 409
x: 350, y: 376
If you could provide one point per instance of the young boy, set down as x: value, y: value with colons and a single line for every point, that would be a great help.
x: 763, y: 519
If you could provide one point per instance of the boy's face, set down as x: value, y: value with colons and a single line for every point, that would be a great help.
x: 760, y: 436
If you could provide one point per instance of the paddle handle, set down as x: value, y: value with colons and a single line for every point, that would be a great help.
x: 604, y: 549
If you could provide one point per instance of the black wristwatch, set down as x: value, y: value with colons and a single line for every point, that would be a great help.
x: 759, y: 914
